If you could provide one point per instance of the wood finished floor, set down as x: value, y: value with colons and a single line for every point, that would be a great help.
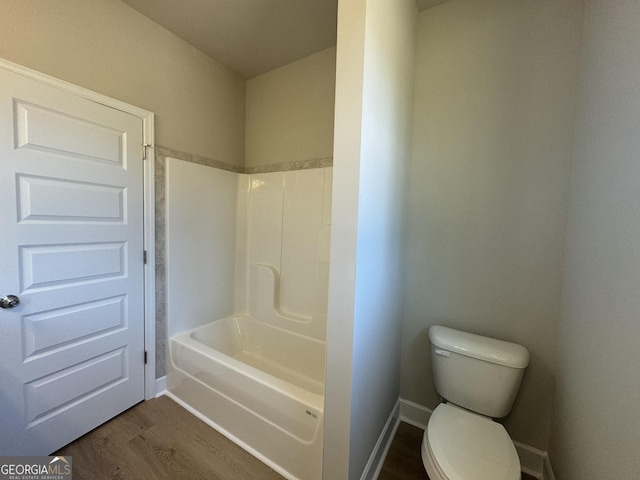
x: 158, y: 439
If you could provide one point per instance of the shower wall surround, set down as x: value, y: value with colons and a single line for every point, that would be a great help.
x: 299, y: 196
x: 162, y: 153
x: 283, y: 238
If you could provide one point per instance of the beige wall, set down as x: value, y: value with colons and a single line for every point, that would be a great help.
x: 492, y: 139
x: 374, y: 86
x: 290, y: 112
x: 596, y: 427
x: 108, y: 47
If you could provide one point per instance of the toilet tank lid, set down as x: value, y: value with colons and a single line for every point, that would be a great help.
x: 476, y: 346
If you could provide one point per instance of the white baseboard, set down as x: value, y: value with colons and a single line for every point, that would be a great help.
x: 414, y: 414
x: 376, y: 460
x: 161, y: 386
x: 547, y: 472
x: 534, y: 462
x: 531, y: 459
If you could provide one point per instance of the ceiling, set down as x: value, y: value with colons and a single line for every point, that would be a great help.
x: 251, y: 37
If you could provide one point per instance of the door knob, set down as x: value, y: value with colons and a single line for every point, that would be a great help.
x: 10, y: 301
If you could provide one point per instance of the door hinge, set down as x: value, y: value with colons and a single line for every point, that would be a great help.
x: 144, y: 150
x: 144, y: 257
x: 145, y: 357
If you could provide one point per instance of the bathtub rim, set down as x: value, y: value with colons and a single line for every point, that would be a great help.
x: 314, y: 400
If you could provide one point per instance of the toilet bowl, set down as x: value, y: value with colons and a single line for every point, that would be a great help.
x: 462, y: 445
x: 478, y: 378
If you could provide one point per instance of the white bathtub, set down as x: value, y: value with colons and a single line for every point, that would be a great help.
x: 261, y: 386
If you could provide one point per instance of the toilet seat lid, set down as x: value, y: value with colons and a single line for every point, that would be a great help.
x: 468, y: 446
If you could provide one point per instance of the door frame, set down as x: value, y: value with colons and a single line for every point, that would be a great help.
x: 148, y: 131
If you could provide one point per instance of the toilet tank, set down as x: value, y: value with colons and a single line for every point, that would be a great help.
x: 478, y: 373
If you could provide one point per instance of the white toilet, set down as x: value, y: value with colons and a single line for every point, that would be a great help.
x: 479, y: 378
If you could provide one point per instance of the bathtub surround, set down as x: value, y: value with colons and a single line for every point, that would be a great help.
x: 160, y: 229
x: 200, y: 235
x: 262, y: 246
x: 282, y: 249
x: 162, y: 153
x: 247, y: 264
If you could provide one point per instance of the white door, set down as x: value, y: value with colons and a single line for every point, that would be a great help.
x: 71, y: 251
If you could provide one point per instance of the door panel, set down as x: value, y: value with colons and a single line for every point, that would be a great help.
x: 54, y: 200
x: 71, y: 191
x: 40, y: 128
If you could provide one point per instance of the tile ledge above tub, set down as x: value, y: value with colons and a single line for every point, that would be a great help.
x: 288, y: 166
x: 163, y: 152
